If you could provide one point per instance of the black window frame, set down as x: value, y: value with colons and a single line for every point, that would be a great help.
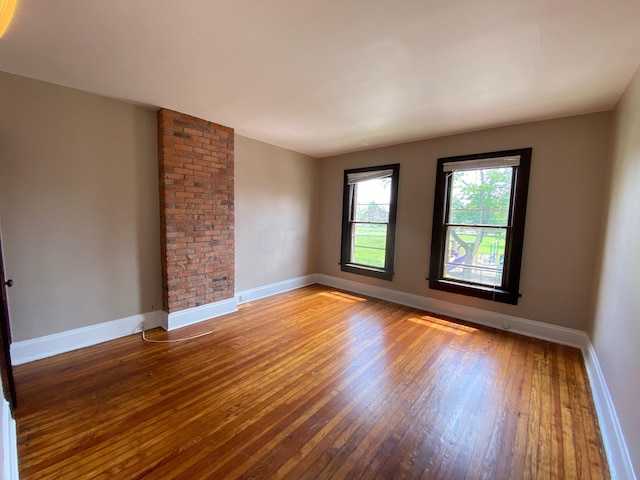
x: 387, y: 272
x: 508, y: 291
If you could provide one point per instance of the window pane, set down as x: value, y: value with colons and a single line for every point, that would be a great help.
x: 369, y: 242
x: 372, y: 199
x: 475, y: 254
x: 480, y: 197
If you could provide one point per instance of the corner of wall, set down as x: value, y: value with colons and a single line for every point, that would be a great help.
x: 615, y: 445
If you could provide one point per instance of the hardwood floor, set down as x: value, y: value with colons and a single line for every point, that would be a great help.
x: 313, y: 383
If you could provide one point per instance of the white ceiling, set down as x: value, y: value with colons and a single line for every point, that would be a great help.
x: 331, y: 76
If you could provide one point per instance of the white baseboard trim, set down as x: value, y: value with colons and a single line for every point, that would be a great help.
x: 49, y: 345
x: 614, y: 443
x: 9, y: 443
x: 530, y: 328
x: 193, y: 315
x: 274, y: 288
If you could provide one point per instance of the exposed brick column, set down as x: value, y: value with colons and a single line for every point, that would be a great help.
x: 195, y: 159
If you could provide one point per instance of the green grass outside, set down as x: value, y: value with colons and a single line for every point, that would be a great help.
x: 370, y: 236
x: 376, y: 236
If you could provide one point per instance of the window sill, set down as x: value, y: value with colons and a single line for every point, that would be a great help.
x: 366, y: 271
x: 478, y: 291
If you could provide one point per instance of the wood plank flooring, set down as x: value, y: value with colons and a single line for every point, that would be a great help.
x: 313, y: 383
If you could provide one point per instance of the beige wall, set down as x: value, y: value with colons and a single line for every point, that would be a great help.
x: 570, y: 158
x: 78, y: 207
x: 615, y: 332
x: 79, y: 212
x: 276, y: 212
x: 79, y: 218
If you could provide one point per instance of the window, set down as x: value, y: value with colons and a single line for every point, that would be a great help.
x: 478, y: 224
x: 369, y: 220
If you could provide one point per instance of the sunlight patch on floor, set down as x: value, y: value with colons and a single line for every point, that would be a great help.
x: 343, y: 297
x: 439, y: 324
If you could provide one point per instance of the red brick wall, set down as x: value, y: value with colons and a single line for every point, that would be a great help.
x: 195, y: 160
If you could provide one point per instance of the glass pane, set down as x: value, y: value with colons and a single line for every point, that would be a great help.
x: 368, y: 244
x: 475, y: 254
x: 372, y: 199
x: 480, y: 197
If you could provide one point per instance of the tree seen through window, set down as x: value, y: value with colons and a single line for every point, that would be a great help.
x: 478, y: 224
x: 477, y: 220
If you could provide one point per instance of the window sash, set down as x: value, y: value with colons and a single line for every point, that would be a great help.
x: 353, y: 180
x: 477, y: 165
x: 449, y: 188
x: 352, y: 227
x: 497, y: 162
x: 355, y: 246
